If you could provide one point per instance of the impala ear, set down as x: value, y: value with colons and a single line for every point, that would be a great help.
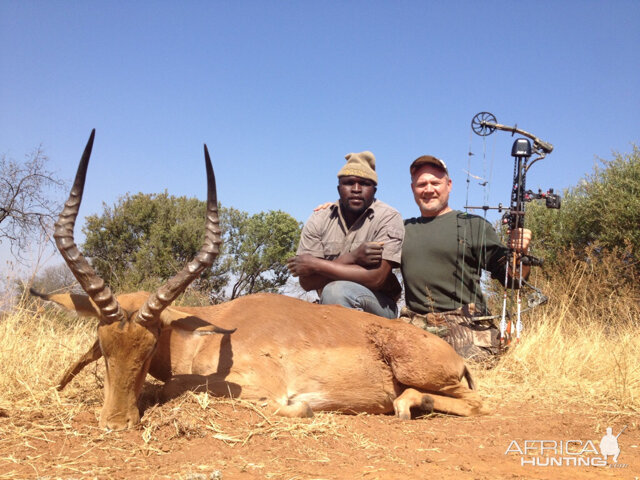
x: 93, y: 354
x: 81, y: 304
x: 172, y: 318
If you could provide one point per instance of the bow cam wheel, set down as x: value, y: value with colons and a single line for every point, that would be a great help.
x: 482, y: 124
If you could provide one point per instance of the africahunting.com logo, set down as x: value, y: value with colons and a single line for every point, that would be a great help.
x: 569, y: 453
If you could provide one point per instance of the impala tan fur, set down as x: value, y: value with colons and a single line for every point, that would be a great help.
x: 294, y: 356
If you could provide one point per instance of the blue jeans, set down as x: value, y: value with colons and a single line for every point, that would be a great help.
x: 356, y: 296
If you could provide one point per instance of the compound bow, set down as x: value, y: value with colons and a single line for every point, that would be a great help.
x: 483, y: 124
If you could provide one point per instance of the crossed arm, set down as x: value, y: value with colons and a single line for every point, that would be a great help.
x: 364, y: 265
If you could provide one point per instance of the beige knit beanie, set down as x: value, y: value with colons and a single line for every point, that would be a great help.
x: 362, y: 165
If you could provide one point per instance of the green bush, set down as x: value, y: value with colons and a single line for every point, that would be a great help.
x: 600, y: 214
x: 145, y: 239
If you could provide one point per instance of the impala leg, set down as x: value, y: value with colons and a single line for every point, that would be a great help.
x: 459, y: 400
x: 412, y: 398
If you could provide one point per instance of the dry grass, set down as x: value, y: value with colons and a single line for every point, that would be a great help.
x: 581, y: 349
x: 36, y: 347
x: 563, y: 362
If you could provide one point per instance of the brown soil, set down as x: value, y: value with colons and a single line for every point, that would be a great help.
x: 189, y: 438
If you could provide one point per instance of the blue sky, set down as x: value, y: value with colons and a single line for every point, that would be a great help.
x: 281, y: 90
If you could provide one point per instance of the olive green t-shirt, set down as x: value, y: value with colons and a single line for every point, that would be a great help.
x: 443, y: 258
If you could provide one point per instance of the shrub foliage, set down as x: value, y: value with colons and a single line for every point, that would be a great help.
x: 144, y: 239
x: 600, y: 214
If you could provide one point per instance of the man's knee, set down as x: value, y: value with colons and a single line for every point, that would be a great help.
x: 356, y: 296
x: 337, y: 293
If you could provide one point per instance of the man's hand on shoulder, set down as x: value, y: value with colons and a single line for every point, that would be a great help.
x: 323, y: 206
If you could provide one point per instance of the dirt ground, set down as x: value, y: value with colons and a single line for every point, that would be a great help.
x: 198, y: 437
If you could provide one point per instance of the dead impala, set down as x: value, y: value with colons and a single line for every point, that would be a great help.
x: 294, y: 356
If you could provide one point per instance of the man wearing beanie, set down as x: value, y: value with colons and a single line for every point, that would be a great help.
x: 443, y: 256
x: 347, y: 251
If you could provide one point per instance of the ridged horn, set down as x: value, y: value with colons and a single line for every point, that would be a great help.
x: 158, y: 301
x: 87, y: 278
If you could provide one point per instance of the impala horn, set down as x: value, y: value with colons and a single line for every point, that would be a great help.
x: 158, y: 301
x: 87, y: 278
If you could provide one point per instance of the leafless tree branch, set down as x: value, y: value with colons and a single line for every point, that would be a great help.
x: 28, y: 200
